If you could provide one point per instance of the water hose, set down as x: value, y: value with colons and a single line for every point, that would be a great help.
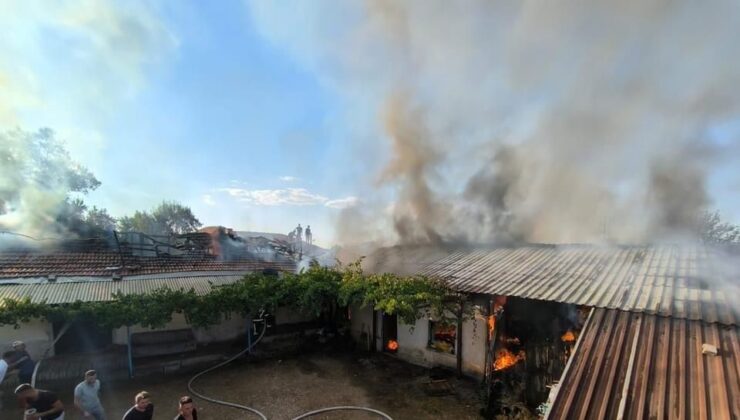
x: 224, y: 363
x: 257, y: 412
x: 345, y: 408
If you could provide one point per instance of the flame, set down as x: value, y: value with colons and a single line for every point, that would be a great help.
x: 392, y: 345
x: 491, y: 326
x: 498, y: 306
x: 568, y: 337
x: 506, y: 359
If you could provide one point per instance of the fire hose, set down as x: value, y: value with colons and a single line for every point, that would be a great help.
x: 224, y: 363
x: 255, y: 411
x: 343, y: 408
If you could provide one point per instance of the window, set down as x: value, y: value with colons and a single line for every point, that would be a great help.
x: 442, y: 337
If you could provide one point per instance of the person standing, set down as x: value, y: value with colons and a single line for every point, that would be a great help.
x: 87, y: 397
x: 46, y: 404
x: 23, y: 362
x: 5, y: 364
x: 143, y: 408
x: 299, y: 233
x: 309, y: 236
x: 187, y: 409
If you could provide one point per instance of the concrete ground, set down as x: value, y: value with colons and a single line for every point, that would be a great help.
x: 283, y: 389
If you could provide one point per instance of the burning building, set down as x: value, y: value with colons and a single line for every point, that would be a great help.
x: 95, y: 271
x: 580, y: 331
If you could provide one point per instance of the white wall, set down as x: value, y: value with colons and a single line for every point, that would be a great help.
x: 228, y: 329
x: 361, y: 323
x: 413, y: 341
x: 291, y: 316
x: 37, y: 334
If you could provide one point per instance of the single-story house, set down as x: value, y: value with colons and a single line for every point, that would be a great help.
x: 579, y: 331
x: 59, y: 276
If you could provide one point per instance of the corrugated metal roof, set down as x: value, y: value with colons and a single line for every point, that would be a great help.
x: 100, y: 290
x: 640, y: 366
x: 693, y: 282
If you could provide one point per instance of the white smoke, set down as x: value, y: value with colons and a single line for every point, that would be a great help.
x: 551, y: 122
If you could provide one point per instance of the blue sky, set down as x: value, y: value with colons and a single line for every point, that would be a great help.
x: 262, y: 115
x: 205, y: 112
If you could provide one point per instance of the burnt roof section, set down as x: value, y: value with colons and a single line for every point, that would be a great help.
x: 684, y: 281
x: 639, y: 366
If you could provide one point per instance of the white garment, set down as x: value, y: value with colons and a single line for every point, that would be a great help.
x: 3, y: 369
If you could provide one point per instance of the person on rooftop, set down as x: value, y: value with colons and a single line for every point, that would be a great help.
x: 40, y: 404
x: 143, y: 408
x: 87, y: 397
x: 299, y: 233
x: 309, y: 235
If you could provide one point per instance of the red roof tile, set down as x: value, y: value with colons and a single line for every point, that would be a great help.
x: 108, y: 263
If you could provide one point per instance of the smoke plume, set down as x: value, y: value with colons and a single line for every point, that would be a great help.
x: 547, y: 122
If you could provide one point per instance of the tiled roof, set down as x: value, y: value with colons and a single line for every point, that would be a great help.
x: 639, y: 366
x: 102, y: 290
x: 108, y: 263
x: 693, y: 282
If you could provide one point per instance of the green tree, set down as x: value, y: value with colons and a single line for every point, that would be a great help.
x: 141, y: 221
x: 39, y: 181
x: 98, y: 218
x: 168, y: 218
x: 173, y: 218
x: 714, y: 231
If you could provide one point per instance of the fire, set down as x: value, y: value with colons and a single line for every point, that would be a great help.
x: 491, y: 326
x: 392, y: 345
x: 568, y: 337
x: 506, y: 359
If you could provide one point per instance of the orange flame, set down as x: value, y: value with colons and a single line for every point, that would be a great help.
x: 568, y: 337
x: 491, y: 326
x: 392, y: 345
x: 506, y: 359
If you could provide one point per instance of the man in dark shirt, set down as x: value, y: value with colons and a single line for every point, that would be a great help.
x: 143, y: 408
x: 23, y: 362
x: 187, y: 409
x: 46, y: 403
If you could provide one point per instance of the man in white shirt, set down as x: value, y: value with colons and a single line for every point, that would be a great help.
x: 4, y: 362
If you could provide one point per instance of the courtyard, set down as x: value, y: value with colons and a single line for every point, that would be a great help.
x: 286, y: 388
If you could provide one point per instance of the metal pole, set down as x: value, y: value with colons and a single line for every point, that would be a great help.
x: 249, y: 335
x: 130, y: 354
x: 458, y: 350
x: 374, y: 346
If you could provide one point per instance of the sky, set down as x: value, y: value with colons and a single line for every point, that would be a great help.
x: 182, y: 102
x: 234, y: 108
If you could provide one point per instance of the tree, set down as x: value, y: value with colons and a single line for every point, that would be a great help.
x: 38, y: 180
x: 174, y: 218
x: 714, y: 231
x: 141, y: 221
x: 168, y: 218
x: 98, y: 218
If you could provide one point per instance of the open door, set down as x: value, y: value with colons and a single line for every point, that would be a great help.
x: 390, y: 333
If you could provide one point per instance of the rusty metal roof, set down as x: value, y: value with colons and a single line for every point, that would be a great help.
x: 693, y: 282
x: 102, y: 290
x: 640, y: 366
